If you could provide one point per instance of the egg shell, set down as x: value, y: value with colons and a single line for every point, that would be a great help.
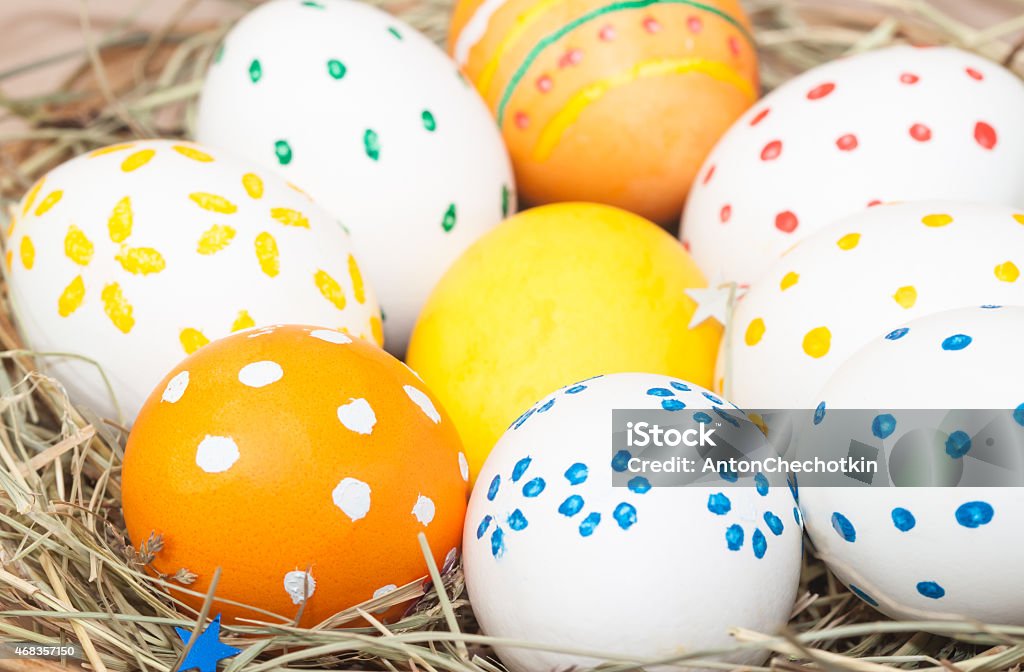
x: 644, y: 572
x: 135, y: 255
x: 930, y: 552
x: 377, y: 124
x: 896, y: 124
x: 858, y: 279
x: 606, y: 101
x: 276, y: 452
x: 556, y: 294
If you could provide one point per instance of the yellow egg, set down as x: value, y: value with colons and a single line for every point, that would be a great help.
x: 552, y: 296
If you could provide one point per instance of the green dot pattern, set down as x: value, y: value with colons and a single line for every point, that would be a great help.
x: 336, y: 68
x: 255, y: 70
x: 218, y: 55
x: 505, y: 194
x: 448, y: 222
x: 283, y: 151
x: 429, y: 122
x: 312, y: 3
x: 371, y: 143
x: 394, y: 31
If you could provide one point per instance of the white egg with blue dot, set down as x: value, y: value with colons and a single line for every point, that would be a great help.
x: 556, y: 555
x: 930, y: 552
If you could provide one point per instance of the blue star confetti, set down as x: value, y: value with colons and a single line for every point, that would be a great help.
x: 208, y: 649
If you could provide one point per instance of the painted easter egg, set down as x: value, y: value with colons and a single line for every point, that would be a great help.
x: 377, y: 124
x: 129, y: 258
x: 281, y: 455
x: 931, y: 552
x: 550, y: 543
x: 896, y: 124
x: 556, y: 294
x: 858, y: 279
x: 608, y: 101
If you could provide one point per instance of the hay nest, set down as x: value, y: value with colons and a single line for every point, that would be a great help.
x: 67, y: 572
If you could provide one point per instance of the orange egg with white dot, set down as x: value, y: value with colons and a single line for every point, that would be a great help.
x: 301, y: 462
x: 606, y: 100
x: 129, y: 258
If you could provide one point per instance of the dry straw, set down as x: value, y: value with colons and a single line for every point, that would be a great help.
x: 66, y: 572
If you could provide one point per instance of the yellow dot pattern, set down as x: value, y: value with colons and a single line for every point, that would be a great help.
x: 1007, y: 272
x: 936, y: 221
x: 242, y: 321
x: 119, y: 226
x: 213, y: 203
x: 78, y: 247
x: 30, y: 197
x: 117, y: 307
x: 755, y: 331
x: 110, y: 149
x: 358, y: 289
x: 137, y: 160
x: 296, y: 188
x: 141, y: 260
x: 330, y: 289
x: 377, y: 329
x: 215, y: 239
x: 52, y: 199
x: 849, y: 241
x: 253, y: 185
x: 192, y: 339
x: 906, y: 296
x: 788, y: 280
x: 27, y: 251
x: 266, y: 253
x: 289, y: 217
x: 192, y: 153
x: 817, y: 342
x: 71, y: 298
x: 1019, y: 218
x: 10, y: 227
x: 9, y: 256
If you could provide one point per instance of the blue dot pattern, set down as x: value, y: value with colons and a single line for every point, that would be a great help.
x: 958, y: 444
x: 794, y: 486
x: 761, y: 481
x: 520, y: 469
x: 625, y: 515
x: 577, y: 473
x: 546, y: 406
x: 522, y: 418
x: 931, y: 590
x: 701, y: 417
x: 571, y: 506
x: 897, y: 334
x: 660, y: 392
x: 975, y: 514
x: 712, y: 398
x: 989, y: 306
x: 492, y: 491
x: 843, y: 527
x: 672, y: 405
x: 589, y: 524
x: 903, y: 519
x: 517, y: 521
x: 534, y: 487
x: 883, y: 425
x: 773, y: 522
x: 719, y: 504
x: 682, y: 387
x: 862, y: 595
x: 575, y: 389
x: 621, y: 461
x: 727, y: 475
x: 734, y: 537
x: 724, y: 415
x: 1018, y: 415
x: 759, y: 543
x: 796, y: 516
x: 498, y: 542
x: 819, y: 413
x: 639, y: 485
x: 956, y: 342
x: 481, y: 529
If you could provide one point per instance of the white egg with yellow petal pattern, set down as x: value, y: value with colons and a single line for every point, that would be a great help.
x: 377, y: 124
x: 127, y: 259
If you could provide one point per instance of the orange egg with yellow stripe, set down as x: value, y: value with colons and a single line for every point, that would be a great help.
x: 128, y: 258
x: 613, y: 101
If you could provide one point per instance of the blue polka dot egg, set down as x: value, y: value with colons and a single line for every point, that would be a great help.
x: 930, y: 552
x: 550, y: 542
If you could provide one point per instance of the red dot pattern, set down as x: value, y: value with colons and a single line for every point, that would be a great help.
x: 786, y: 221
x: 909, y: 78
x: 820, y: 91
x: 974, y: 74
x: 920, y: 132
x: 771, y: 151
x: 694, y: 24
x: 759, y: 117
x: 708, y: 175
x: 847, y: 143
x: 985, y: 135
x: 725, y: 213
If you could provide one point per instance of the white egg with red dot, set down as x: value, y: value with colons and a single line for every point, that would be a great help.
x: 896, y: 124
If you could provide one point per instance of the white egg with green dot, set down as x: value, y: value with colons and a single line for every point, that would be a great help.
x: 857, y: 279
x: 555, y: 554
x: 375, y: 122
x: 930, y: 552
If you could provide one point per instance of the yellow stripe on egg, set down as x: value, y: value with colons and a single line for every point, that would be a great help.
x: 330, y: 289
x: 52, y: 199
x: 358, y: 289
x: 192, y: 153
x: 30, y: 197
x: 556, y: 127
x: 213, y: 203
x: 27, y: 251
x: 290, y: 217
x: 111, y: 149
x: 514, y: 34
x: 137, y: 160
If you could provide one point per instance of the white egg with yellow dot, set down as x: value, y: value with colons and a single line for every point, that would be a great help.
x: 856, y: 280
x: 377, y: 124
x: 914, y: 552
x: 127, y: 259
